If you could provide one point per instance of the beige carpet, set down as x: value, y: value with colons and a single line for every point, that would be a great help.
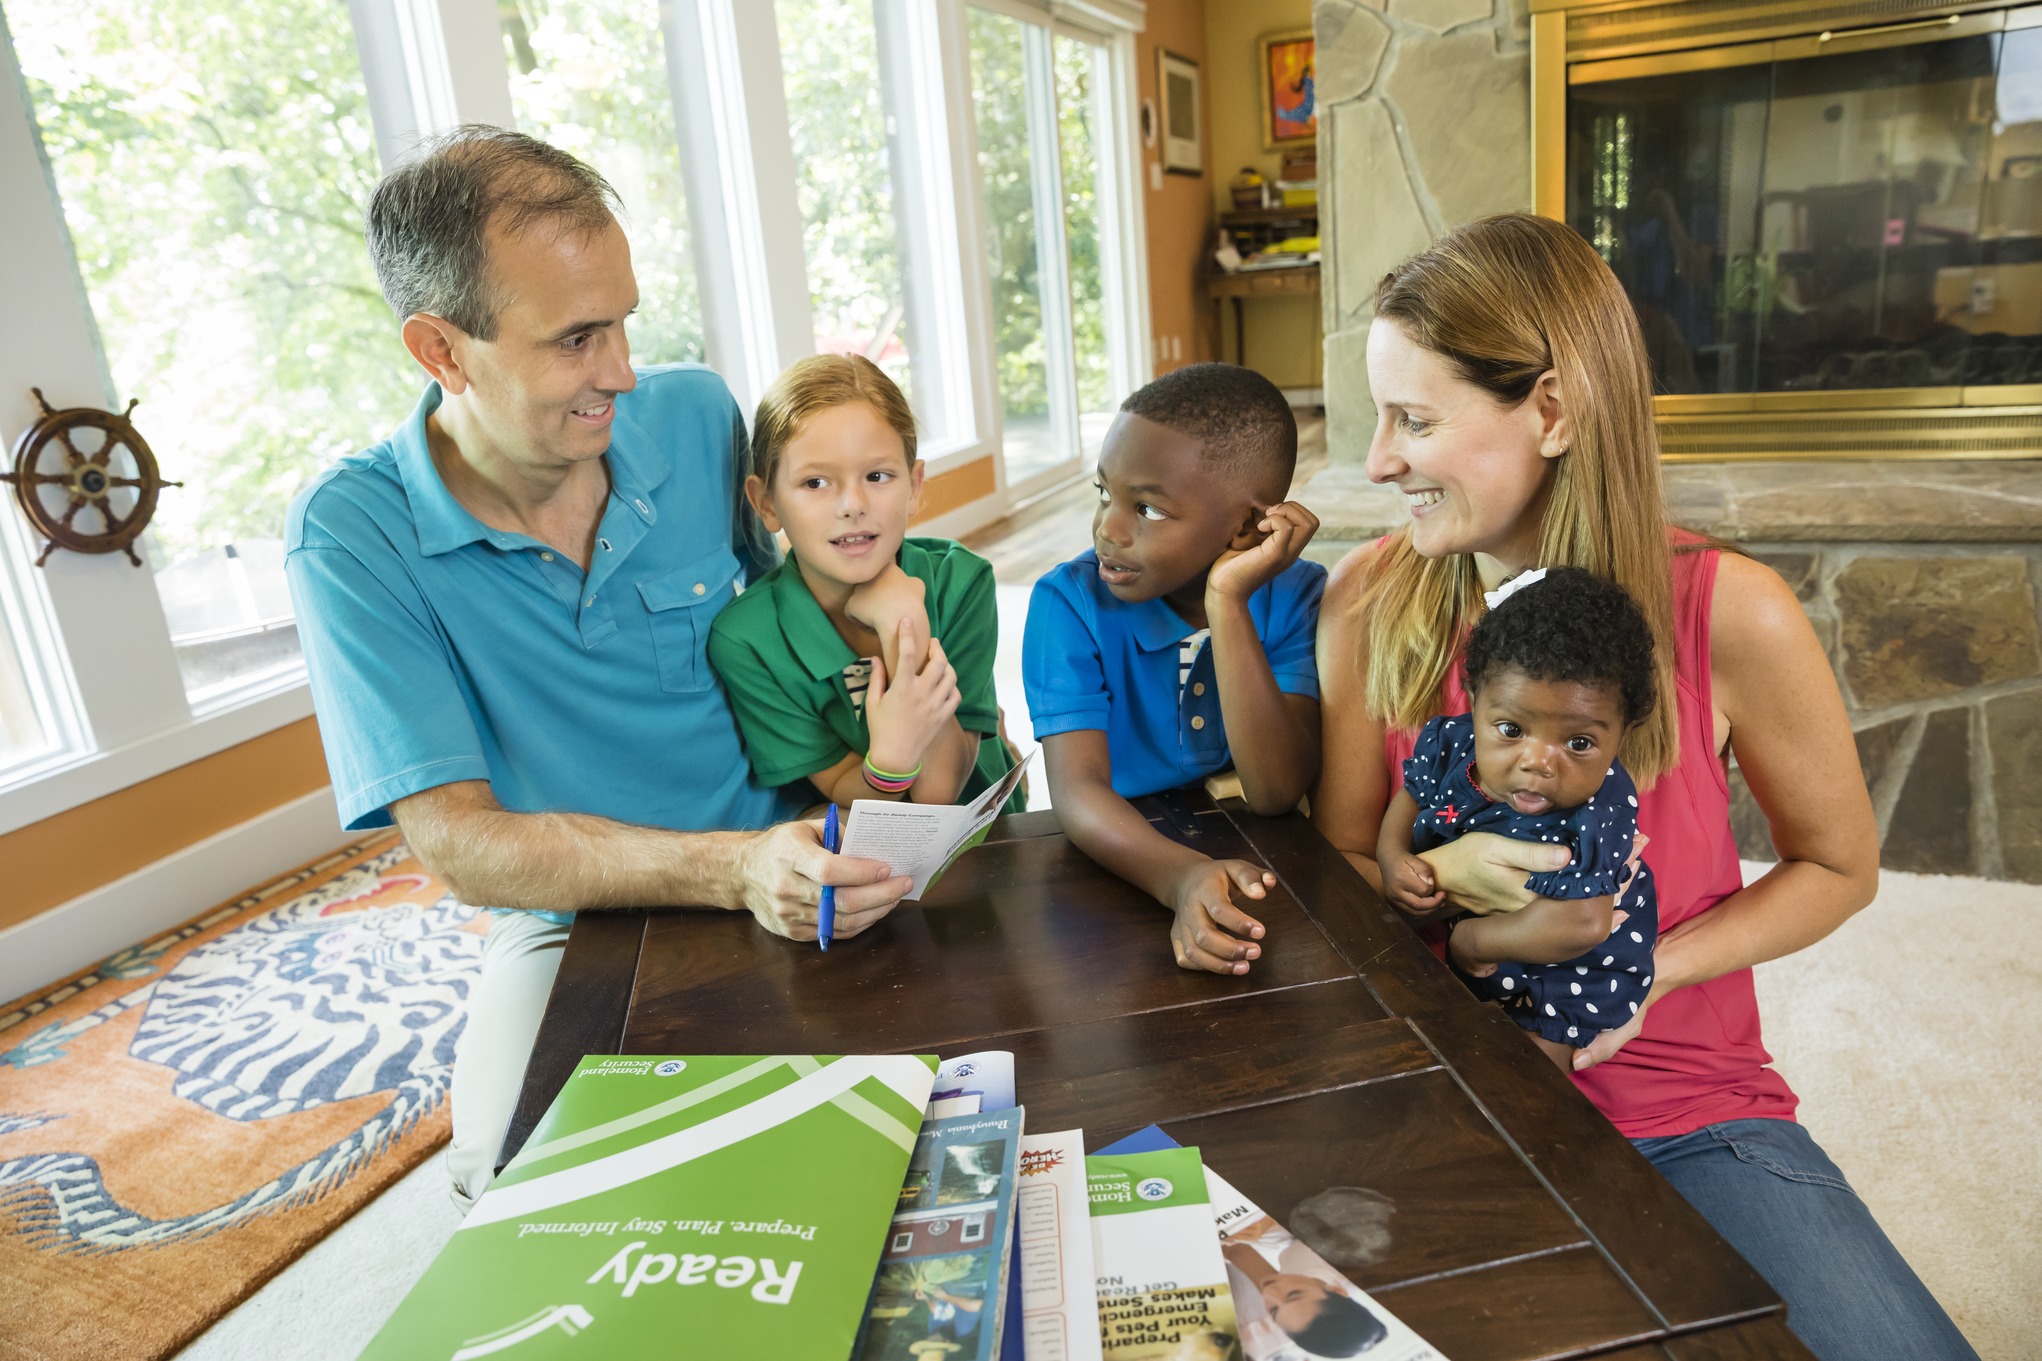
x: 1913, y: 1036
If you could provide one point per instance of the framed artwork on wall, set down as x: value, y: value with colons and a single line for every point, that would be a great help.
x: 1290, y: 113
x: 1177, y: 83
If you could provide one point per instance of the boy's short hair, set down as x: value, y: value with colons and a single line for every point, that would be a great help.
x: 1571, y: 626
x: 1241, y: 418
x: 814, y: 385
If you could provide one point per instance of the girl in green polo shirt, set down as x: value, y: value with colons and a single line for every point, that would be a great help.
x: 864, y: 662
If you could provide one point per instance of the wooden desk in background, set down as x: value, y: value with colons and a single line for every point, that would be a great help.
x: 1520, y: 1223
x: 1294, y: 282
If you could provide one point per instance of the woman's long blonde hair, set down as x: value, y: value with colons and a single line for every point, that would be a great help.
x: 1506, y: 300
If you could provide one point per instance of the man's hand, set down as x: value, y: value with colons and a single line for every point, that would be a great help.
x: 1409, y: 885
x: 1240, y: 572
x: 906, y: 714
x: 782, y: 874
x: 1485, y: 873
x: 1210, y: 933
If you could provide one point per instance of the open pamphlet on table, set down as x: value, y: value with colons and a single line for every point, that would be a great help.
x: 864, y: 1208
x: 924, y: 839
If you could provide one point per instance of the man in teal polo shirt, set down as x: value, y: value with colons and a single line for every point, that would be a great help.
x: 505, y: 607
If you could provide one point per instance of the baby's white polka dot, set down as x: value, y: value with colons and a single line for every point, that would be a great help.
x: 1613, y: 985
x: 1635, y: 936
x: 1633, y: 799
x: 1632, y: 969
x: 1591, y: 1008
x: 1572, y: 1031
x: 1509, y: 983
x: 1580, y: 968
x: 1634, y: 1008
x: 1609, y: 959
x: 1576, y: 987
x: 1550, y: 1011
x: 1648, y: 980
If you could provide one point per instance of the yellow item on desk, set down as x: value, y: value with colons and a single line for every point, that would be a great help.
x: 1297, y: 245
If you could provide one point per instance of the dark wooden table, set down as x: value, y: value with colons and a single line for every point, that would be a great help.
x: 1524, y: 1226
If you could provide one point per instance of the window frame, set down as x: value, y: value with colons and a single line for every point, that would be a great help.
x: 95, y: 645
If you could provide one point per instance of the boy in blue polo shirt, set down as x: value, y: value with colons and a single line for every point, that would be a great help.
x: 1180, y: 640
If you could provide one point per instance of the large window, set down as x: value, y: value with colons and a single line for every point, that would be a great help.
x: 1039, y: 103
x: 944, y: 189
x: 836, y: 120
x: 213, y: 158
x: 590, y: 77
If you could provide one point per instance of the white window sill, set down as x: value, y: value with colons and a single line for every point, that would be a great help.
x: 44, y: 791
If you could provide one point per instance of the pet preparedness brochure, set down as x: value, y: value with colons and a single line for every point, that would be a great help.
x: 1163, y: 1288
x: 1292, y: 1304
x: 922, y: 840
x: 739, y: 1203
x: 941, y: 1289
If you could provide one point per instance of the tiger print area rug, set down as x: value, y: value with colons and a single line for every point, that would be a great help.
x: 180, y: 1122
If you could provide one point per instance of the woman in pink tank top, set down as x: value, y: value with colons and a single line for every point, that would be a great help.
x: 1514, y: 411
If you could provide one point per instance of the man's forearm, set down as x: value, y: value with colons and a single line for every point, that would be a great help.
x: 567, y: 862
x: 1276, y: 758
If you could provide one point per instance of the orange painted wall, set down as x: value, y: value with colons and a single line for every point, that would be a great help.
x: 53, y: 861
x: 947, y: 491
x: 1179, y: 213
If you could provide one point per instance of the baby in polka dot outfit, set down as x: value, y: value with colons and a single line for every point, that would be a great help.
x: 1557, y: 671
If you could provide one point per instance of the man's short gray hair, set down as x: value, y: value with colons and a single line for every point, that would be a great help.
x: 428, y: 217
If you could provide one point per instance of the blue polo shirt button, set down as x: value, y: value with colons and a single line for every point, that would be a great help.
x: 1198, y: 687
x: 1196, y: 723
x: 591, y: 600
x: 545, y: 557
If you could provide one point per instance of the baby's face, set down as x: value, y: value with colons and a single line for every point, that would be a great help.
x: 1541, y: 745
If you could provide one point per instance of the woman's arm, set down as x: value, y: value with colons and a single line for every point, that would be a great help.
x: 1354, y: 784
x: 1779, y: 709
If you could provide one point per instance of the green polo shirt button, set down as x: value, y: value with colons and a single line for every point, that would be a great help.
x: 700, y: 589
x: 545, y: 557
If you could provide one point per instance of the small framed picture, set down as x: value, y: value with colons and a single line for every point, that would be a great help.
x: 1177, y: 83
x: 1290, y: 114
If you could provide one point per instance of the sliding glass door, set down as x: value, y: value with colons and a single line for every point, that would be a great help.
x: 1042, y: 111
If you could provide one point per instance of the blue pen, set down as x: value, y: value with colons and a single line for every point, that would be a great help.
x: 826, y: 910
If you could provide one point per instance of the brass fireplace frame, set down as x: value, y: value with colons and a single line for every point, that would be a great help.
x: 1579, y: 41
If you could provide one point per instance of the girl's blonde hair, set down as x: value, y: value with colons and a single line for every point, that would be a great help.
x: 816, y: 384
x: 1506, y: 300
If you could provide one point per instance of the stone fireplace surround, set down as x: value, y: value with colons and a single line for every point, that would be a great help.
x: 1919, y: 577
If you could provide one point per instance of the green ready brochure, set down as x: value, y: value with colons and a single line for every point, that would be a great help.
x: 680, y: 1206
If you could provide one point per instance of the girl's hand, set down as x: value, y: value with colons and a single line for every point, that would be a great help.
x: 1485, y: 873
x: 887, y: 601
x: 1410, y: 887
x: 906, y: 715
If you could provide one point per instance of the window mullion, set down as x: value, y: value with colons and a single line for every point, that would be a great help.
x: 116, y: 661
x: 730, y: 112
x: 1125, y: 260
x: 1052, y: 249
x: 429, y: 65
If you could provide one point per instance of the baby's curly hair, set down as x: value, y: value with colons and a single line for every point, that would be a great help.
x: 1572, y: 626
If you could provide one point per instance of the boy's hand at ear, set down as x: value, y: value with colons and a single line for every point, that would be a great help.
x: 1260, y: 553
x: 1210, y: 933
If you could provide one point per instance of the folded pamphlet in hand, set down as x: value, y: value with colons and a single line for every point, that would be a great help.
x: 924, y: 839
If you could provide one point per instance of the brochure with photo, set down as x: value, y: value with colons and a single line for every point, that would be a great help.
x: 1285, y: 1293
x: 1162, y: 1283
x: 941, y: 1289
x: 1058, y: 1299
x: 738, y: 1202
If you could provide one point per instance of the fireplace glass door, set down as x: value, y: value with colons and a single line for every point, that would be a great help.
x: 1812, y: 215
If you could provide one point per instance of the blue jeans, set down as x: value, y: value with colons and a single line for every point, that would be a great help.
x: 1774, y: 1194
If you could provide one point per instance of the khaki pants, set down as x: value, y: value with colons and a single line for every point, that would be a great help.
x: 518, y: 963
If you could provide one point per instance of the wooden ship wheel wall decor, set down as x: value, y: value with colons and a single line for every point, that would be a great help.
x: 48, y: 464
